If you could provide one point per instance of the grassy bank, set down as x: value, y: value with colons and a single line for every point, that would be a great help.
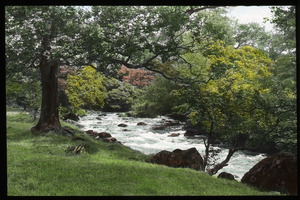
x: 43, y: 165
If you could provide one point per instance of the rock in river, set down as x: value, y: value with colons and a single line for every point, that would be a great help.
x: 92, y: 133
x: 123, y: 125
x: 104, y: 135
x: 189, y: 158
x: 110, y: 139
x: 141, y: 123
x: 191, y: 132
x: 174, y: 135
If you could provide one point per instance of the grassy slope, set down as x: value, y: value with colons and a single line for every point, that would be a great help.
x: 39, y: 165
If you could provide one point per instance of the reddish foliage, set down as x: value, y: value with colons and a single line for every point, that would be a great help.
x: 63, y: 76
x: 136, y: 77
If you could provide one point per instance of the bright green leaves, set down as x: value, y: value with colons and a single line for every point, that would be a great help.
x: 224, y: 83
x: 90, y: 89
x: 85, y: 89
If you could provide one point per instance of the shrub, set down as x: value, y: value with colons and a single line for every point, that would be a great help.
x: 85, y: 90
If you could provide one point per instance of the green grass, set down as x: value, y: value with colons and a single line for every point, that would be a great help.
x: 42, y: 165
x: 14, y: 109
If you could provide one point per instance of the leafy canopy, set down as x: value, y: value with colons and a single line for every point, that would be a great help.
x: 224, y: 83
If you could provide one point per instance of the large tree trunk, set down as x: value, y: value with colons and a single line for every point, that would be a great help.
x: 49, y: 117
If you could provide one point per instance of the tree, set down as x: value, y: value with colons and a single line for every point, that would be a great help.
x: 85, y: 89
x: 139, y: 37
x: 118, y: 96
x: 136, y: 77
x: 251, y: 34
x: 221, y: 88
x: 45, y: 37
x: 157, y: 99
x: 224, y: 84
x: 41, y: 37
x: 284, y: 20
x: 25, y: 93
x: 282, y: 102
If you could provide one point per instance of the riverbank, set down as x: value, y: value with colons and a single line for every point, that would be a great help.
x: 44, y: 165
x: 154, y: 137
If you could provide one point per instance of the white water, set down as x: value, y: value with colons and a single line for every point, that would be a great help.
x: 148, y: 141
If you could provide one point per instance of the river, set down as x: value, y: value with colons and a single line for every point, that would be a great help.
x: 148, y: 141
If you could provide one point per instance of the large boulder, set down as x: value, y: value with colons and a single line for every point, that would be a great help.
x: 104, y: 135
x: 275, y: 173
x: 226, y: 175
x: 189, y: 158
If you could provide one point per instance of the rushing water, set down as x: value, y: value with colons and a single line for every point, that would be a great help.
x: 148, y: 141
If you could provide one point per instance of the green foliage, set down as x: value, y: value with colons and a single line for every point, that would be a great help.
x: 214, y: 25
x: 251, y: 34
x: 232, y: 78
x: 284, y: 20
x: 223, y: 85
x: 85, y: 89
x: 157, y: 99
x: 134, y: 35
x: 243, y: 92
x: 26, y: 29
x: 282, y: 102
x: 64, y: 111
x: 24, y: 93
x: 119, y: 96
x: 281, y: 115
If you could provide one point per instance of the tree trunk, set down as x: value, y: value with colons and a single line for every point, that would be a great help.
x: 49, y: 118
x: 207, y: 145
x: 224, y: 163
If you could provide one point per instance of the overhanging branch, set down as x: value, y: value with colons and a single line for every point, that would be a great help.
x: 193, y: 10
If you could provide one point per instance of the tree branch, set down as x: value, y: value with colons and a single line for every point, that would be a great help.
x: 224, y: 162
x: 193, y: 10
